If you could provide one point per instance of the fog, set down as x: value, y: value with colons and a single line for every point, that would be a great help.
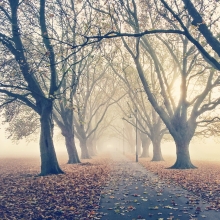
x: 205, y: 149
x: 202, y: 149
x: 24, y: 149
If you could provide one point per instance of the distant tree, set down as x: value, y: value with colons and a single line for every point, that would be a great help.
x: 145, y: 143
x: 150, y: 126
x: 180, y: 114
x: 195, y: 98
x: 97, y: 92
x: 72, y: 29
x: 123, y: 132
x: 149, y: 123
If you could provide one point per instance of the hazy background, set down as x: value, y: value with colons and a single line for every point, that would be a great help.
x: 9, y: 148
x: 205, y: 149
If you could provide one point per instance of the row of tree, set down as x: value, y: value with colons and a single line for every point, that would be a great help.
x: 70, y: 61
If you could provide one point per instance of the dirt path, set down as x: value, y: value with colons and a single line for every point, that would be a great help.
x: 134, y: 193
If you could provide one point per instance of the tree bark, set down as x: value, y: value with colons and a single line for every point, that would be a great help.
x: 71, y: 149
x: 145, y: 146
x: 157, y: 154
x: 67, y: 131
x: 49, y: 163
x: 84, y: 150
x: 183, y: 160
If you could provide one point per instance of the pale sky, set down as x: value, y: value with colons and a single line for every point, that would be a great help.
x: 206, y: 149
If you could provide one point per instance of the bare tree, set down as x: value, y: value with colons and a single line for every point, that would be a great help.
x: 94, y: 97
x: 30, y: 48
x: 149, y: 123
x: 172, y: 13
x: 180, y: 118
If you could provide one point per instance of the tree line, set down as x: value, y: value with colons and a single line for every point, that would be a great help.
x: 76, y: 63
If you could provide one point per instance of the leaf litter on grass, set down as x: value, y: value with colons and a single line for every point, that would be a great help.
x: 73, y: 195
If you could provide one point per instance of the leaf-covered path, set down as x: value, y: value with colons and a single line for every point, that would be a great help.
x: 135, y: 193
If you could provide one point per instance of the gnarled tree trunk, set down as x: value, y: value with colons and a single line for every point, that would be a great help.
x: 157, y: 154
x: 183, y: 160
x: 182, y: 135
x: 49, y: 163
x: 145, y: 146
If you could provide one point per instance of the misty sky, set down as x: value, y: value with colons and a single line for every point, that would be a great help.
x: 204, y: 149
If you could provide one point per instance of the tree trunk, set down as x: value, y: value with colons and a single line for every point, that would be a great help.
x: 157, y: 154
x: 95, y: 149
x: 49, y: 163
x: 183, y: 160
x: 145, y: 147
x: 71, y: 149
x: 90, y: 148
x: 84, y: 150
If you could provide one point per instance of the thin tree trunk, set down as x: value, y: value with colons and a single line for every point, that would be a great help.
x: 84, y: 150
x: 71, y: 150
x: 157, y: 154
x: 145, y: 147
x: 49, y: 163
x: 183, y: 160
